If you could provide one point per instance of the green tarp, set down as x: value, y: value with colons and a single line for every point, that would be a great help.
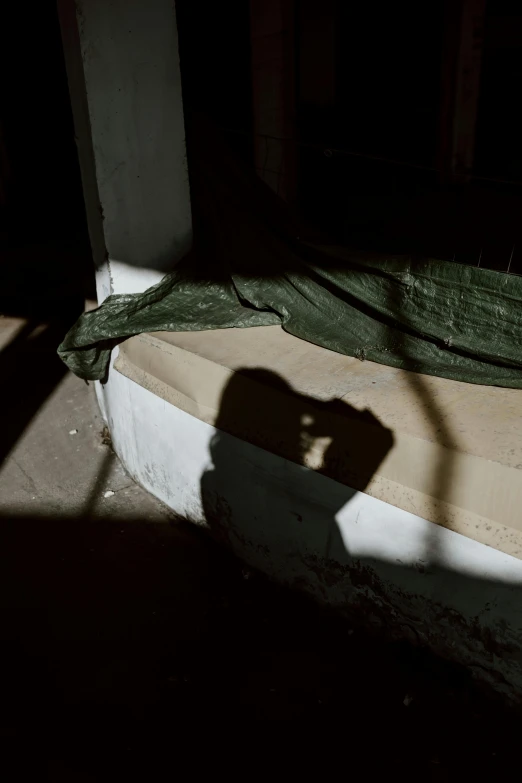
x: 248, y: 268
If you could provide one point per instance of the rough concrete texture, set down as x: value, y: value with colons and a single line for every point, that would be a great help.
x: 125, y: 634
x: 63, y: 463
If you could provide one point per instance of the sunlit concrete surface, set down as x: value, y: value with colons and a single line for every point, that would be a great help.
x: 56, y: 460
x: 248, y: 433
x: 123, y: 628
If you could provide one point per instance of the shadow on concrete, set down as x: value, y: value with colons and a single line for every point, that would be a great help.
x: 122, y: 640
x: 45, y: 260
x: 30, y: 370
x: 293, y: 524
x: 263, y: 409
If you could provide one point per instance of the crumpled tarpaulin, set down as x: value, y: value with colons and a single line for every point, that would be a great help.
x: 248, y: 268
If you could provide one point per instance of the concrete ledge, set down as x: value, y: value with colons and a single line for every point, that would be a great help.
x: 385, y: 567
x: 446, y: 451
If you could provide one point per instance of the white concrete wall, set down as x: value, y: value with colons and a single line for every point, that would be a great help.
x: 123, y: 65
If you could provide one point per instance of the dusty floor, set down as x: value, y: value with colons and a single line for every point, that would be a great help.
x: 130, y: 642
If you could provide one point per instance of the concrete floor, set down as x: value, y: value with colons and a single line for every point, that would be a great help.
x: 127, y: 635
x: 59, y: 463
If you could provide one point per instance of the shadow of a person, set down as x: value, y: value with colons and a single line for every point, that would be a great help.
x: 264, y: 502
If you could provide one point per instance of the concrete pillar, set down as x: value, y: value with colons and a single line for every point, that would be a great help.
x: 124, y: 77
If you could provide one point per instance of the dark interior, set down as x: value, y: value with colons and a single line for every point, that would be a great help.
x: 368, y: 170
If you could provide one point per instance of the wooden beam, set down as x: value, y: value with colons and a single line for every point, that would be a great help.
x: 4, y: 170
x: 317, y: 52
x: 462, y: 58
x: 273, y: 93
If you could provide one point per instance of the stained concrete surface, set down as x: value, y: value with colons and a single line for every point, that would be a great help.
x: 60, y: 463
x: 130, y: 641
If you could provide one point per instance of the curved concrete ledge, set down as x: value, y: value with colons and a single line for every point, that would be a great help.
x: 449, y: 452
x: 346, y: 548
